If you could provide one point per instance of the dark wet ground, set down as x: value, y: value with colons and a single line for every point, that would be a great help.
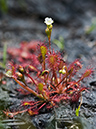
x: 25, y: 22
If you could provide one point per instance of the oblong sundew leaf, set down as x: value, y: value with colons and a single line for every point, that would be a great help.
x: 40, y: 86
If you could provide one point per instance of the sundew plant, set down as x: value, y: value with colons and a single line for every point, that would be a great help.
x: 45, y: 75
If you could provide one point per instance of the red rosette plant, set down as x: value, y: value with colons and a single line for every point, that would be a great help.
x: 52, y: 80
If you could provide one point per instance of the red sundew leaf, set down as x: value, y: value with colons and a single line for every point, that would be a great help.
x: 34, y: 60
x: 54, y: 60
x: 32, y: 46
x: 12, y: 114
x: 11, y: 72
x: 14, y: 52
x: 87, y: 73
x: 77, y: 94
x: 75, y: 97
x: 76, y: 65
x: 29, y: 60
x: 9, y: 114
x: 25, y: 55
x: 23, y: 46
x: 20, y: 59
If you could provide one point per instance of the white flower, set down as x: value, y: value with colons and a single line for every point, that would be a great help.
x: 48, y: 21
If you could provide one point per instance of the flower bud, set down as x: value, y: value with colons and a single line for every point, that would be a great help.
x: 63, y: 70
x: 48, y: 32
x: 19, y: 76
x: 21, y: 69
x: 48, y: 22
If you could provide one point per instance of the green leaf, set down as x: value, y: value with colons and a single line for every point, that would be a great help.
x: 77, y: 111
x: 92, y: 27
x: 59, y: 43
x: 3, y: 5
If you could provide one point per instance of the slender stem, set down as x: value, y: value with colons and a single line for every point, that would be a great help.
x: 43, y: 68
x: 65, y: 77
x: 28, y: 89
x: 80, y: 79
x: 35, y: 105
x: 15, y: 113
x: 53, y: 87
x: 44, y: 64
x: 20, y: 111
x: 41, y: 106
x: 61, y: 81
x: 55, y: 77
x: 69, y: 86
x: 49, y: 44
x: 31, y: 78
x: 46, y: 78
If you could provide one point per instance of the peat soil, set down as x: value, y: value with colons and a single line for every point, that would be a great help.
x: 25, y: 22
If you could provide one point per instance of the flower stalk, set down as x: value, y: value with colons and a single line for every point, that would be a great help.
x: 48, y: 30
